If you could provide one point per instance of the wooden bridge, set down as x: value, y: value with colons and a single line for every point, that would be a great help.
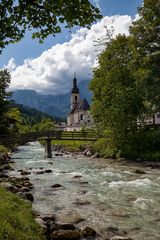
x: 46, y: 136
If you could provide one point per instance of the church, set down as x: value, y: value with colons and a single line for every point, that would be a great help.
x: 80, y: 115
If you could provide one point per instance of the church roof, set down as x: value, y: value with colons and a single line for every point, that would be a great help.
x: 82, y: 105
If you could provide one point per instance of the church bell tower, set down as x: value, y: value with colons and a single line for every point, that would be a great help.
x: 74, y: 93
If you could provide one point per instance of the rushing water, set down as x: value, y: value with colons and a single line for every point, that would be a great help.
x: 105, y: 193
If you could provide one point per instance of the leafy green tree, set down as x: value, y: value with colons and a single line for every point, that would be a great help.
x: 126, y: 87
x: 46, y: 124
x: 146, y: 39
x: 43, y: 16
x: 4, y: 103
x: 117, y: 99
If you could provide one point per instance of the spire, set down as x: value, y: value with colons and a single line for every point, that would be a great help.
x: 75, y: 88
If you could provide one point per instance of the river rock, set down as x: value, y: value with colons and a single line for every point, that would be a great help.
x: 25, y: 172
x: 48, y: 171
x: 65, y: 234
x: 95, y: 155
x: 88, y: 232
x: 88, y: 153
x: 120, y: 238
x: 47, y: 217
x: 29, y: 196
x: 77, y: 177
x: 79, y: 203
x: 3, y: 175
x: 139, y: 171
x: 58, y: 154
x: 115, y: 232
x: 25, y: 189
x: 9, y: 187
x: 6, y: 167
x: 63, y: 226
x: 73, y: 218
x: 40, y: 172
x: 56, y: 185
x: 41, y: 222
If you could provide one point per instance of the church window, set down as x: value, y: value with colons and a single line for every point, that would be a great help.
x: 81, y: 116
x: 75, y: 98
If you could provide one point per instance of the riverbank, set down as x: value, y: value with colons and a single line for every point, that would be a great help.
x: 88, y: 150
x: 17, y: 219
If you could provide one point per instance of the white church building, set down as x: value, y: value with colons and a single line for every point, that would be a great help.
x: 80, y: 115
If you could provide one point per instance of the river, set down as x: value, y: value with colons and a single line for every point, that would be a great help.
x: 104, y: 193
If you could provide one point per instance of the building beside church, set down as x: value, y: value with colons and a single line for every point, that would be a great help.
x: 80, y: 115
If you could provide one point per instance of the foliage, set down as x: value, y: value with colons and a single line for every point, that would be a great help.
x: 16, y: 219
x: 43, y: 16
x: 4, y: 103
x: 46, y: 124
x: 126, y: 87
x: 117, y: 99
x: 30, y: 116
x: 3, y: 149
x: 145, y: 33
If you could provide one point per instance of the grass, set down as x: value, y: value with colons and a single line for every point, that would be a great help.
x: 72, y: 145
x: 17, y: 219
x: 3, y: 149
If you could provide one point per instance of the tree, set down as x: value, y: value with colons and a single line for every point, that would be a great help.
x: 146, y: 39
x: 4, y: 103
x: 43, y: 16
x: 126, y: 87
x: 117, y: 100
x: 46, y: 124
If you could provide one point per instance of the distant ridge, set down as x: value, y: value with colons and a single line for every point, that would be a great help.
x: 55, y: 106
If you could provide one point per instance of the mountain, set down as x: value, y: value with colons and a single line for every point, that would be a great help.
x: 31, y: 116
x: 54, y: 105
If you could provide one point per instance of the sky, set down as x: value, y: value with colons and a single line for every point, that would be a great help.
x: 49, y: 67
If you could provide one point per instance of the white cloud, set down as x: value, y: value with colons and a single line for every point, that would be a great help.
x: 11, y: 65
x: 52, y: 71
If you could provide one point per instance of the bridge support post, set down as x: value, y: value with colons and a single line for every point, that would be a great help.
x: 48, y: 150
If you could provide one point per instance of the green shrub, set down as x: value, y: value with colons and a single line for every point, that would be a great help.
x: 3, y: 149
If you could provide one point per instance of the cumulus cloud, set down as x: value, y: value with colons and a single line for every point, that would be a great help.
x: 11, y: 65
x: 52, y: 71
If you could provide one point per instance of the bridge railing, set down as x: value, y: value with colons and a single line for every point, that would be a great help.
x: 55, y: 135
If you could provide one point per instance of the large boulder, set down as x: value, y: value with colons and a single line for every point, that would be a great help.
x: 65, y: 234
x: 88, y: 232
x: 29, y: 196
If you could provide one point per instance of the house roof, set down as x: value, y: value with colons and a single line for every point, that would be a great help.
x: 82, y: 105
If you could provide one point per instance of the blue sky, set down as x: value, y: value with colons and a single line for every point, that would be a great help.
x: 48, y: 68
x: 29, y: 48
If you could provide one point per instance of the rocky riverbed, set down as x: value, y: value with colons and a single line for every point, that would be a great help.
x: 79, y: 198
